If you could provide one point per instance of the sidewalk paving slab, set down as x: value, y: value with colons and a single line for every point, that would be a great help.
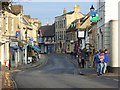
x: 89, y: 70
x: 40, y: 62
x: 92, y: 71
x: 8, y: 82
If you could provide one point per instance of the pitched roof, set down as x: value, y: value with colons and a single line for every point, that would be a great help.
x: 73, y: 26
x: 16, y: 9
x: 48, y: 30
x: 82, y: 20
x: 71, y: 12
x: 26, y: 20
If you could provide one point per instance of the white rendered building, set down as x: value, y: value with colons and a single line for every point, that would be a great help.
x: 107, y: 33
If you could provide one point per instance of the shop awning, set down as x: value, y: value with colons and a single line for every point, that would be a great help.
x: 15, y: 47
x: 35, y: 48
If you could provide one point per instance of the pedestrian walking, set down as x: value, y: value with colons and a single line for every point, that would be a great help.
x: 72, y: 55
x: 96, y: 62
x: 79, y: 57
x: 101, y: 62
x: 106, y: 60
x: 75, y: 54
x: 83, y: 57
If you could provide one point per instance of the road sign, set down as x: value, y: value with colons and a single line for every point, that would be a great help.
x: 94, y: 16
x: 31, y: 39
x: 17, y: 33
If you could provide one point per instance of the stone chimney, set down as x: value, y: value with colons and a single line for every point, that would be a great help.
x: 76, y: 8
x: 27, y: 16
x: 64, y: 11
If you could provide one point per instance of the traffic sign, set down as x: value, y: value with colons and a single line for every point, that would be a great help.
x: 17, y: 33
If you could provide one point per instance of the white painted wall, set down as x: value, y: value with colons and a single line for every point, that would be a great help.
x: 114, y: 43
x: 108, y: 10
x: 111, y: 10
x: 2, y: 54
x: 119, y: 34
x: 7, y: 51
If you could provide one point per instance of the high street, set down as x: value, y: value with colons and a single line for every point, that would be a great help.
x: 60, y: 72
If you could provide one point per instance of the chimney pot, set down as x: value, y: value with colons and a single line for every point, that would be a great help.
x: 64, y: 11
x: 76, y: 8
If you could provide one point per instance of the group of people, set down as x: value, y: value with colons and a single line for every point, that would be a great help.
x: 101, y: 59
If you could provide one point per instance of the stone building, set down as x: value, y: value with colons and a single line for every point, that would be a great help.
x: 62, y: 23
x: 10, y: 23
x: 47, y: 38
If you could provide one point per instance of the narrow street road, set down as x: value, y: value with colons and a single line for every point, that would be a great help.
x: 59, y: 72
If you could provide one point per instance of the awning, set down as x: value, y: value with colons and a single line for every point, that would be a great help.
x: 35, y: 48
x: 15, y: 47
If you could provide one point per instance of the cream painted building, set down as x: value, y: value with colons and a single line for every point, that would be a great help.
x: 35, y: 24
x: 27, y: 28
x: 62, y: 23
x: 10, y: 24
x: 107, y: 25
x: 12, y: 20
x: 30, y: 27
x: 29, y: 35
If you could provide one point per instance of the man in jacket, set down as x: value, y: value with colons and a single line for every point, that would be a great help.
x: 101, y: 62
x: 106, y: 59
x: 96, y: 62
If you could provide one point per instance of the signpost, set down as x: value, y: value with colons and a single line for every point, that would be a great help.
x: 93, y: 15
x: 80, y: 36
x: 17, y: 33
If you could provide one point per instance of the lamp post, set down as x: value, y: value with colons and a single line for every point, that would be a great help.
x: 93, y: 15
x: 80, y: 36
x: 92, y: 9
x: 60, y: 44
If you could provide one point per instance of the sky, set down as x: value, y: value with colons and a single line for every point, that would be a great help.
x: 47, y: 11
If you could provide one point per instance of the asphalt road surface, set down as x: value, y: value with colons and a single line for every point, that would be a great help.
x: 59, y: 72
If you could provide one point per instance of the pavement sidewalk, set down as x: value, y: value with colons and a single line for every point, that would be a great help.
x: 92, y: 72
x: 6, y: 79
x: 88, y: 71
x: 40, y: 62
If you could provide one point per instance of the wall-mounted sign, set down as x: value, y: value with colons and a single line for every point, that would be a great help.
x: 18, y: 33
x: 94, y: 16
x: 81, y: 34
x: 30, y: 39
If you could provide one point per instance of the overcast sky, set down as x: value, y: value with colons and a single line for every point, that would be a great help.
x: 47, y: 11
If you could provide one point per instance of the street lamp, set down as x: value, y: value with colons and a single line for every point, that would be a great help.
x: 60, y: 44
x: 92, y: 9
x: 93, y: 15
x: 80, y: 36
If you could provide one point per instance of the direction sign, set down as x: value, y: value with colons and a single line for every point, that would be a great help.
x: 17, y: 33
